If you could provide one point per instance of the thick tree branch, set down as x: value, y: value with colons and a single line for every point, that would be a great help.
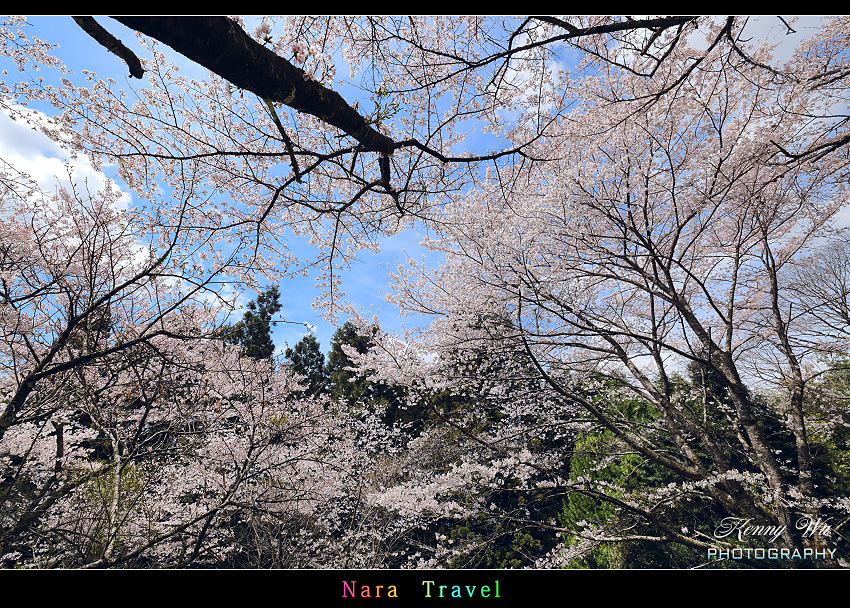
x: 112, y: 44
x: 620, y: 26
x: 219, y: 44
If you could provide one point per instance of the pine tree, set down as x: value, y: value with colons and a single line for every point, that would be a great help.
x: 345, y: 383
x: 306, y: 358
x: 253, y: 332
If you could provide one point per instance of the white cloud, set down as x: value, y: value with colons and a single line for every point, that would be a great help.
x: 772, y: 30
x: 31, y: 151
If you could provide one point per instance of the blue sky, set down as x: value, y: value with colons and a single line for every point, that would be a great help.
x: 364, y: 283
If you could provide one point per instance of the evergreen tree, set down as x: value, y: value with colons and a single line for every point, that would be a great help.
x: 345, y: 383
x: 253, y: 332
x: 307, y: 359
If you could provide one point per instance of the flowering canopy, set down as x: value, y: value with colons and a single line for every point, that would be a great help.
x: 641, y: 273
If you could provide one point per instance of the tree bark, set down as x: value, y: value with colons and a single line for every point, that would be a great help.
x: 219, y: 44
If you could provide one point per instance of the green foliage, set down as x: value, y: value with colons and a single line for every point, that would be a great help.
x: 485, y: 541
x: 306, y: 358
x: 253, y: 332
x: 827, y: 408
x: 612, y: 471
x: 348, y: 386
x: 511, y: 528
x: 385, y: 108
x: 345, y: 383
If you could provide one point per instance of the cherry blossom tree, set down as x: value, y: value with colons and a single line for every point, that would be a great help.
x: 326, y: 168
x: 646, y: 201
x: 131, y: 434
x: 293, y: 155
x: 670, y: 226
x: 134, y: 432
